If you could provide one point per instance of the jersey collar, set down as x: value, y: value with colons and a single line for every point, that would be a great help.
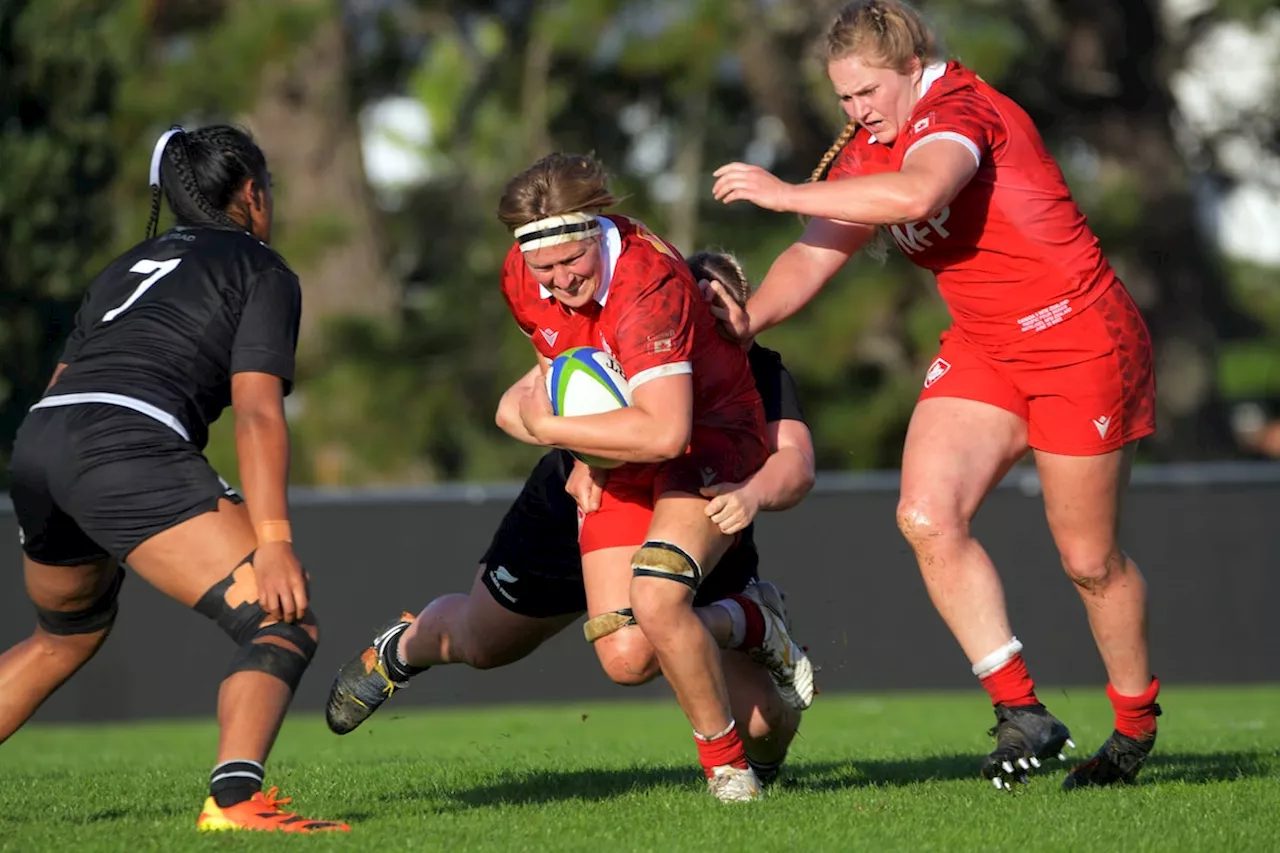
x: 932, y: 74
x: 611, y: 249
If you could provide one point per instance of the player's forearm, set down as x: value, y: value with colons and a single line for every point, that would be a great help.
x: 508, y: 415
x: 792, y: 282
x: 783, y: 481
x: 630, y: 435
x: 262, y: 447
x: 887, y: 198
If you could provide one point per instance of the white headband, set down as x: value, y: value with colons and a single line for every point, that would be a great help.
x: 159, y: 152
x: 554, y: 230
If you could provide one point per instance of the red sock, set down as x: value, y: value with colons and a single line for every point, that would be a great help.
x: 1136, y: 715
x: 755, y: 622
x: 1011, y: 684
x: 724, y: 748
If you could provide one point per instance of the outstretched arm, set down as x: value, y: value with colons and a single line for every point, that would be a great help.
x: 795, y: 277
x: 931, y: 176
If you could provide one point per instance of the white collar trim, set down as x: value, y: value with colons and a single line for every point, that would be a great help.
x: 932, y: 73
x: 611, y: 249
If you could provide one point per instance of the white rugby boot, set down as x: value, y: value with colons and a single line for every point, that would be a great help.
x: 788, y: 665
x: 729, y: 784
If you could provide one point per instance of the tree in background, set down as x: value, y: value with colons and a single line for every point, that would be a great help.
x: 59, y: 89
x: 408, y: 344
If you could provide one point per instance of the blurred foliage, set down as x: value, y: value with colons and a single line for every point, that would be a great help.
x: 663, y: 92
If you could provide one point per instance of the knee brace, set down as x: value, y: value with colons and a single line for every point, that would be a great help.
x: 98, y: 616
x: 657, y: 559
x: 286, y: 664
x: 243, y: 623
x: 599, y: 627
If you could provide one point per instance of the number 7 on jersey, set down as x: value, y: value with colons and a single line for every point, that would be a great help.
x: 154, y: 271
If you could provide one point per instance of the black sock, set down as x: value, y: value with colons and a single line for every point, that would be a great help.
x: 766, y: 773
x: 399, y: 670
x: 234, y: 782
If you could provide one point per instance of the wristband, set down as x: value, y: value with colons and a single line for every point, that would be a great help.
x: 274, y: 531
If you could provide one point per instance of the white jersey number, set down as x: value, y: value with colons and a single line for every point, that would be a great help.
x: 154, y: 271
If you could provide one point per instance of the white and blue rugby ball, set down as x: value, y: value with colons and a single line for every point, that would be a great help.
x: 587, y: 381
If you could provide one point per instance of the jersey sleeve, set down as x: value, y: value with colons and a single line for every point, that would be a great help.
x: 513, y: 272
x: 845, y: 165
x: 266, y: 338
x: 776, y: 386
x: 654, y: 332
x: 963, y: 116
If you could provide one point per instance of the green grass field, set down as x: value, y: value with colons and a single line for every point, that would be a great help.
x: 868, y: 773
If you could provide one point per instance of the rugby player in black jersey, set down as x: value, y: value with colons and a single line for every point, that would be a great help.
x: 108, y: 467
x: 530, y: 582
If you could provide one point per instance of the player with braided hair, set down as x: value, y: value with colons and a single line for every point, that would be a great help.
x: 1047, y: 354
x: 107, y: 467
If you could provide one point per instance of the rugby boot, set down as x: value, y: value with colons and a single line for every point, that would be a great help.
x: 261, y: 813
x: 1116, y: 763
x: 363, y: 683
x: 730, y: 784
x: 787, y: 663
x: 1026, y: 736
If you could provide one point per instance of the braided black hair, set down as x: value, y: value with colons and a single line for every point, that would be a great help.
x: 200, y: 173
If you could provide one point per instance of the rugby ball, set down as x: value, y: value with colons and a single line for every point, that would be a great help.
x: 587, y: 381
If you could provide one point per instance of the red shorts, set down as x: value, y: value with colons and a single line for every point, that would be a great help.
x: 1085, y: 386
x: 626, y: 508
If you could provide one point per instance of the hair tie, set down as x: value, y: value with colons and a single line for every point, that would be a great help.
x: 158, y: 152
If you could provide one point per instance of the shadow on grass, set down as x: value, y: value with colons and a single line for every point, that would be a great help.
x: 1202, y: 768
x: 540, y: 787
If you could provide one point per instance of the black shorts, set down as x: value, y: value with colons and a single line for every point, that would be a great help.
x: 533, y: 566
x: 94, y: 480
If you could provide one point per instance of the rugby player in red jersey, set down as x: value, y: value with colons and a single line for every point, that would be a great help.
x: 1046, y: 352
x: 577, y: 278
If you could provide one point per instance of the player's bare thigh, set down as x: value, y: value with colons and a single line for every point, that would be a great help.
x: 956, y: 451
x: 681, y: 519
x: 497, y: 636
x: 186, y: 560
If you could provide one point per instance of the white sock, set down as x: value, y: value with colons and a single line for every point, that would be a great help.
x: 739, y: 619
x: 997, y: 659
x: 717, y: 735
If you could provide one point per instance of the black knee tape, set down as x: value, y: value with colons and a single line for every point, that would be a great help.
x: 240, y: 622
x: 292, y: 633
x: 657, y: 559
x: 285, y: 664
x: 96, y: 617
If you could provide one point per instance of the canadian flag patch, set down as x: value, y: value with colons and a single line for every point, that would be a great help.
x: 936, y: 371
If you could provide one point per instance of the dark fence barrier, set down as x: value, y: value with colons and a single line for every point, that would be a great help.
x: 1207, y: 538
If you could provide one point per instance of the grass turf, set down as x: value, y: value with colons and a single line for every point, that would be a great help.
x: 896, y: 772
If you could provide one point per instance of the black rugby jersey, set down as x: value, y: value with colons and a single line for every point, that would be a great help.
x: 168, y: 322
x: 776, y: 386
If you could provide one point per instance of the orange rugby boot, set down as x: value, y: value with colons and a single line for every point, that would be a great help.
x: 261, y: 813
